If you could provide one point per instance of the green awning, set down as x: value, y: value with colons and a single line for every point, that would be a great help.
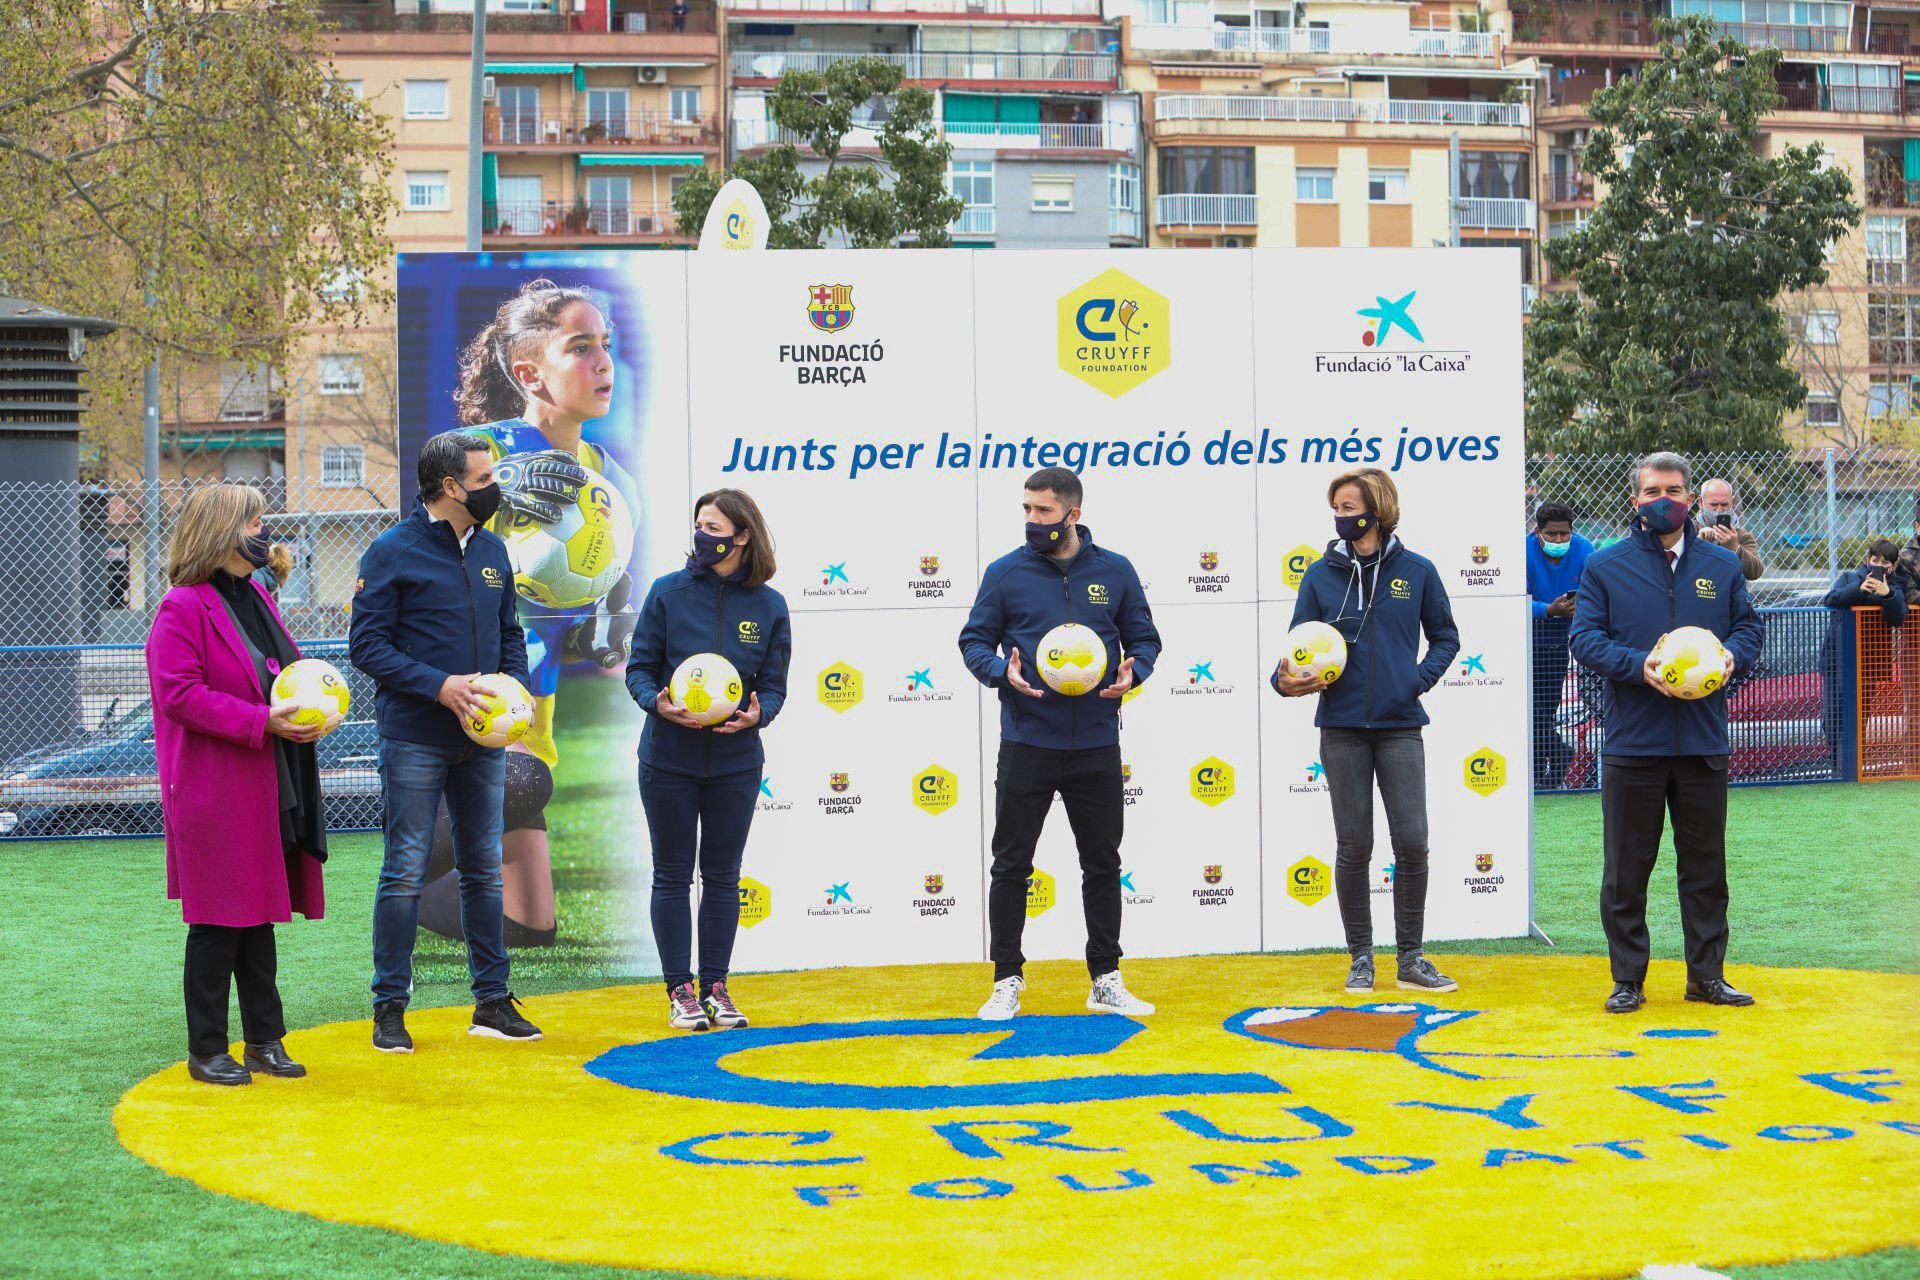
x: 528, y: 68
x: 643, y: 161
x: 489, y: 178
x: 227, y: 440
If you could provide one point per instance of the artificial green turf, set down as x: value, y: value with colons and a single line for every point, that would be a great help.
x: 1821, y: 876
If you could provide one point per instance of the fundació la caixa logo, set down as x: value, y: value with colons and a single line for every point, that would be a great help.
x: 1383, y: 317
x: 1114, y: 332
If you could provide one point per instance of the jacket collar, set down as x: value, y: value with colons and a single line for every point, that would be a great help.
x: 1650, y: 543
x: 209, y: 597
x: 1336, y: 553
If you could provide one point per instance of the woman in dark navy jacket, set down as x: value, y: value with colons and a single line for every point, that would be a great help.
x: 699, y: 785
x: 1381, y: 598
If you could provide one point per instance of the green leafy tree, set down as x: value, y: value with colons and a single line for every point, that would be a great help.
x: 1674, y: 338
x: 242, y: 194
x: 871, y: 204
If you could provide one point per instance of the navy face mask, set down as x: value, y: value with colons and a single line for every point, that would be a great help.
x: 1046, y: 538
x: 1352, y: 528
x: 255, y: 549
x: 1663, y: 515
x: 709, y: 549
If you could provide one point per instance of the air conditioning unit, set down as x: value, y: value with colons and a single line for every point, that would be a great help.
x: 649, y: 74
x: 1233, y: 242
x: 579, y: 6
x: 488, y: 89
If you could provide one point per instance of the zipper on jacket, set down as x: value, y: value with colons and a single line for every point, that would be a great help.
x: 1073, y: 704
x: 473, y: 613
x: 1673, y: 620
x: 719, y: 636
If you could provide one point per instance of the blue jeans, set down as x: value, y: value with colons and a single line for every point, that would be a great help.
x: 705, y: 820
x: 1355, y: 759
x: 413, y: 777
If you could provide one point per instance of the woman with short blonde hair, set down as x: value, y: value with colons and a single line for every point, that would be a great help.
x: 239, y: 782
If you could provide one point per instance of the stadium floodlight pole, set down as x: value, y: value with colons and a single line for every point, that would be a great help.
x: 476, y: 106
x: 150, y: 418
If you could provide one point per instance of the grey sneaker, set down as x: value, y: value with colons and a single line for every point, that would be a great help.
x: 721, y: 1010
x: 1418, y: 974
x: 1360, y: 975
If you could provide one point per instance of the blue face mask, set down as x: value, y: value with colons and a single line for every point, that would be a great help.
x: 1556, y: 549
x: 710, y: 549
x: 1663, y: 515
x: 1046, y: 538
x: 1352, y: 528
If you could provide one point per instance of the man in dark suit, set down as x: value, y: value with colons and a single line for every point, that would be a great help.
x: 1663, y: 754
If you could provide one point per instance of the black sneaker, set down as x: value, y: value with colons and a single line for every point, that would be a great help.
x: 390, y: 1027
x: 499, y: 1019
x: 1418, y: 974
x: 1360, y: 975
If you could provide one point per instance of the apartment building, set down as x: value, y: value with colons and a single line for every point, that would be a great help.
x: 1849, y: 79
x: 1047, y: 145
x: 1331, y: 122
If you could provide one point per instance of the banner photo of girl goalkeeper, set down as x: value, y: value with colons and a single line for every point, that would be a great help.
x: 573, y: 371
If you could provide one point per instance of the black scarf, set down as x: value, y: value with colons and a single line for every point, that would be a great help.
x: 298, y: 764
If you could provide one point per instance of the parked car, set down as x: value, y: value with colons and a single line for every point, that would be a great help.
x: 104, y: 781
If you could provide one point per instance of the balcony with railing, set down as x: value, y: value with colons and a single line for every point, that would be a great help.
x: 1568, y: 188
x: 865, y: 10
x: 658, y: 19
x: 1883, y: 100
x: 1528, y: 294
x: 1217, y: 113
x: 1497, y: 213
x: 642, y: 18
x: 1590, y: 27
x: 581, y: 220
x: 1005, y: 135
x: 974, y: 220
x: 937, y: 66
x: 587, y: 128
x: 1298, y: 41
x: 1206, y: 210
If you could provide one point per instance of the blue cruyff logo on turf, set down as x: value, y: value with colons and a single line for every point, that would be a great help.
x: 691, y: 1067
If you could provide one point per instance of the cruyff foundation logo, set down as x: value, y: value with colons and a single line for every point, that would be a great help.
x: 1113, y: 332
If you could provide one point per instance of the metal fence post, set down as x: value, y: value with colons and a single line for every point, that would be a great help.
x: 1833, y: 523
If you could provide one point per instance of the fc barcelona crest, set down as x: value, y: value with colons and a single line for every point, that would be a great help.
x: 830, y: 307
x: 838, y: 781
x: 1480, y: 555
x: 935, y: 884
x: 1483, y: 862
x: 1213, y: 873
x: 1209, y: 561
x: 929, y: 565
x: 1126, y: 773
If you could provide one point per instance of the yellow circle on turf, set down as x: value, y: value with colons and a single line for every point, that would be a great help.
x: 1510, y: 1128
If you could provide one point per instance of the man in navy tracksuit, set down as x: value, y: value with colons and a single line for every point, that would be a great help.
x: 434, y: 608
x: 1053, y: 743
x: 1663, y: 754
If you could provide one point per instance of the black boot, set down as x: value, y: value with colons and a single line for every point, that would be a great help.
x: 271, y: 1059
x: 218, y: 1069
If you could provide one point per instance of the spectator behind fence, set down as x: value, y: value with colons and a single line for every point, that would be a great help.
x: 1720, y: 526
x: 239, y: 781
x: 1907, y: 571
x: 1555, y: 557
x: 1870, y: 585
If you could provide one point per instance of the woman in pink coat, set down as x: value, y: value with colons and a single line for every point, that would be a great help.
x: 239, y: 784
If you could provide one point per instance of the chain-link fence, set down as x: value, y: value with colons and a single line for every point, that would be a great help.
x: 1886, y: 730
x: 82, y: 569
x: 1794, y: 716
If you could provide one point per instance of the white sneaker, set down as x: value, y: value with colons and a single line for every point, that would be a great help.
x: 1110, y: 995
x: 1005, y: 1000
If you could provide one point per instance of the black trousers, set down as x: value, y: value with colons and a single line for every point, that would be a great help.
x: 220, y: 957
x: 1636, y: 795
x: 1089, y: 785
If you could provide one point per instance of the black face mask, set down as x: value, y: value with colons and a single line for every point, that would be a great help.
x: 255, y: 550
x: 482, y: 503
